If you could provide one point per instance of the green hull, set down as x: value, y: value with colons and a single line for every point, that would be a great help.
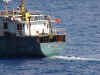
x: 52, y: 49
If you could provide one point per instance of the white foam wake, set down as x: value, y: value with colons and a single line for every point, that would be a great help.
x: 74, y: 58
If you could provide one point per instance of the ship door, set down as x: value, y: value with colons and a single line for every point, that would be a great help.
x: 5, y: 28
x: 19, y: 29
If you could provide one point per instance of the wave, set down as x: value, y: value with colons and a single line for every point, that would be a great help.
x: 74, y: 58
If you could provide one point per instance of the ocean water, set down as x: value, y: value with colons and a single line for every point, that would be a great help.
x: 81, y: 55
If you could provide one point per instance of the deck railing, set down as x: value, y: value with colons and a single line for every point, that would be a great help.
x: 10, y: 13
x: 59, y: 31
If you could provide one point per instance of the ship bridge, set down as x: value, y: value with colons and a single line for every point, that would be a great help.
x: 37, y: 25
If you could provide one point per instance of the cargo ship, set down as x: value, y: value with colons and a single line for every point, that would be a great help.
x: 29, y: 34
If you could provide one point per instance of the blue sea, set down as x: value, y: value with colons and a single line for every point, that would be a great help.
x: 81, y: 55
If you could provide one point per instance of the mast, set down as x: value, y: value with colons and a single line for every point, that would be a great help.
x: 22, y: 7
x: 6, y: 1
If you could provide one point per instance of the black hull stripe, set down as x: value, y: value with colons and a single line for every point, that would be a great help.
x: 19, y: 47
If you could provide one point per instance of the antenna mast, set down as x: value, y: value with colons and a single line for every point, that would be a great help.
x: 6, y: 1
x: 6, y: 8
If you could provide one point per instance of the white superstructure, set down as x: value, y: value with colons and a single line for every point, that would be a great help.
x: 34, y: 25
x: 24, y: 23
x: 37, y: 25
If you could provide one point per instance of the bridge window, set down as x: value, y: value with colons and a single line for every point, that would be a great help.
x: 38, y: 18
x: 46, y: 17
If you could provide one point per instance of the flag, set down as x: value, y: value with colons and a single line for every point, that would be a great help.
x: 57, y: 20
